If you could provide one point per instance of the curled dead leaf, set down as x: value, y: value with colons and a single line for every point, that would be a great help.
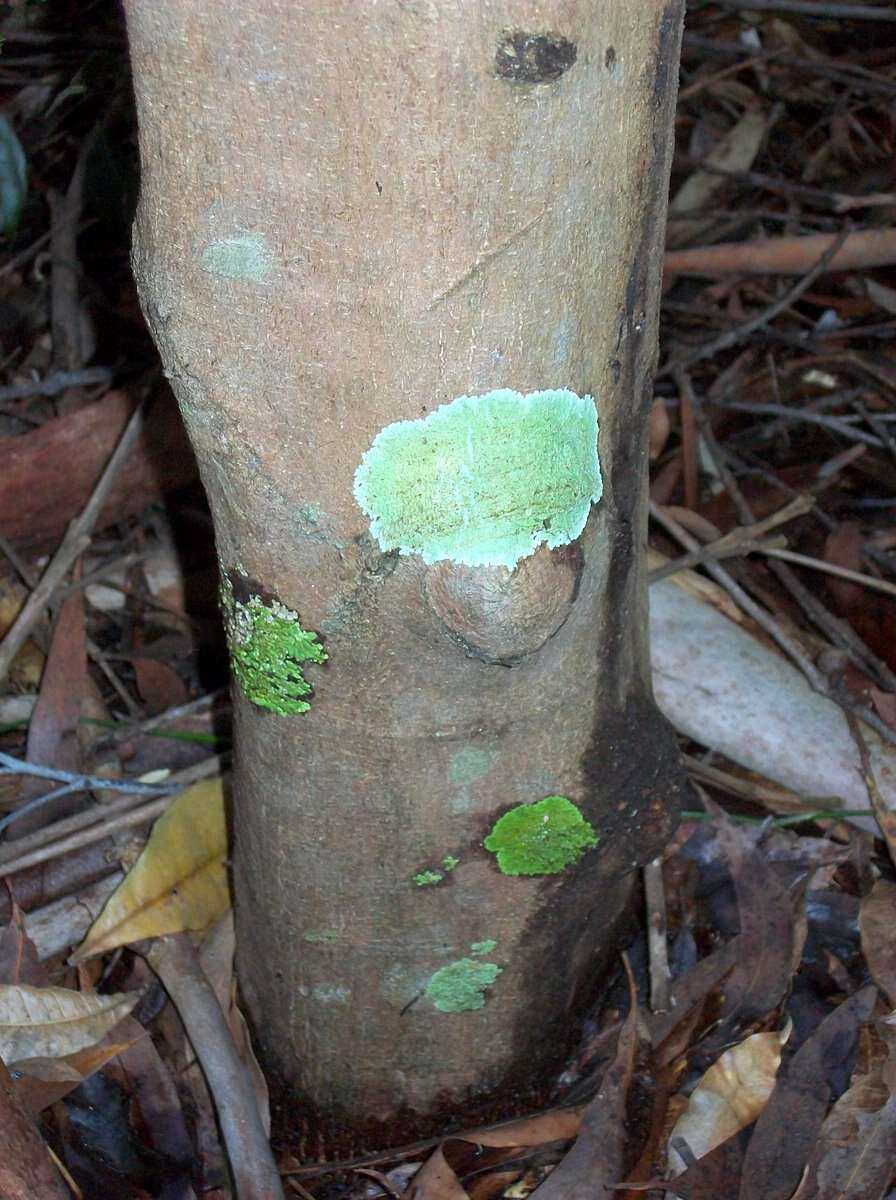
x: 179, y: 882
x: 52, y: 1022
x: 730, y: 1096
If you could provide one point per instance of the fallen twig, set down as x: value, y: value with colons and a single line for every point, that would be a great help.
x: 97, y: 823
x: 655, y: 899
x: 176, y: 963
x: 76, y: 539
x: 786, y: 255
x: 52, y: 385
x: 818, y: 564
x: 72, y: 782
x: 741, y: 332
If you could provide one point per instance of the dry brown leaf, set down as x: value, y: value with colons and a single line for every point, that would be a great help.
x: 787, y: 1130
x: 844, y: 547
x: 861, y: 1168
x: 853, y: 1157
x: 885, y: 703
x: 876, y: 921
x: 159, y: 685
x: 52, y: 1022
x: 730, y: 1096
x: 19, y: 962
x: 41, y: 1082
x: 772, y: 932
x: 437, y: 1178
x: 594, y: 1164
x: 179, y: 882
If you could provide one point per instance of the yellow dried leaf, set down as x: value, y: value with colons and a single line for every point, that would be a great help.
x: 730, y: 1096
x: 179, y: 881
x: 51, y: 1022
x: 28, y: 665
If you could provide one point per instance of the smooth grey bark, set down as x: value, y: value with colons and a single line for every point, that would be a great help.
x: 350, y: 215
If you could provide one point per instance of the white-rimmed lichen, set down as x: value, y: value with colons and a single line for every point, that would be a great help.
x: 484, y: 480
x: 267, y: 649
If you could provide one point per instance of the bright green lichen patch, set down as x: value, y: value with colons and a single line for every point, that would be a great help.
x: 245, y: 256
x: 460, y: 987
x: 480, y: 949
x: 428, y: 878
x: 322, y: 936
x: 267, y: 647
x: 540, y: 839
x: 485, y: 479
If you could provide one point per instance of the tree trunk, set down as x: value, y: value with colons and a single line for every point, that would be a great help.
x: 351, y: 216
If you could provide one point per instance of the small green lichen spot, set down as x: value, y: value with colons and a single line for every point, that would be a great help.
x: 321, y: 936
x: 267, y: 647
x: 460, y: 987
x: 485, y: 479
x: 469, y: 764
x: 480, y: 949
x: 245, y: 256
x: 428, y: 878
x: 541, y: 838
x: 449, y: 862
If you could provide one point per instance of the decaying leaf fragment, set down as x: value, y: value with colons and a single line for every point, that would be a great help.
x: 179, y: 882
x: 730, y: 1096
x: 853, y: 1159
x: 876, y: 919
x: 439, y: 1177
x: 51, y: 1022
x: 41, y: 1082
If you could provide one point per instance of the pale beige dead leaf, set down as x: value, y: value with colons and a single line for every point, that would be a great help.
x: 734, y: 152
x: 52, y: 1022
x: 730, y: 1096
x: 179, y: 882
x: 697, y: 586
x: 659, y: 428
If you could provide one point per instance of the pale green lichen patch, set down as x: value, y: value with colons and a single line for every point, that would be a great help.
x: 449, y: 862
x: 480, y: 949
x: 469, y: 764
x: 541, y: 838
x: 484, y: 480
x: 244, y: 256
x: 460, y: 987
x: 267, y: 649
x: 321, y: 936
x: 331, y: 994
x: 428, y: 878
